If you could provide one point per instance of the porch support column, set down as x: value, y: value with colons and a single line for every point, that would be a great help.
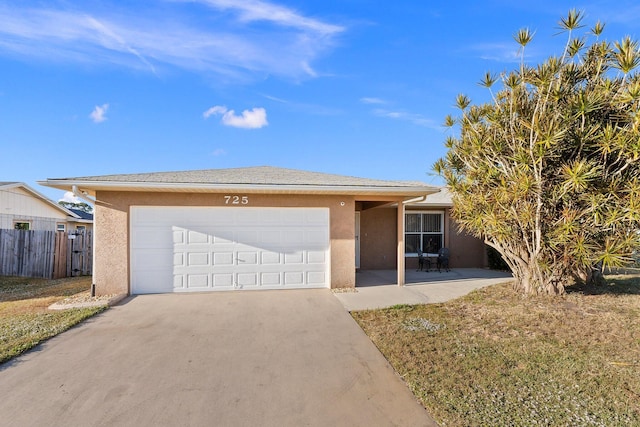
x: 400, y: 249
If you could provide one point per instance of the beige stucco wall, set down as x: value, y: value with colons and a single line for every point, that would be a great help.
x: 111, y: 219
x: 466, y: 251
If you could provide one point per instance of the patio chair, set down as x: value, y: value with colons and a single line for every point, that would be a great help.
x: 443, y: 259
x: 423, y: 261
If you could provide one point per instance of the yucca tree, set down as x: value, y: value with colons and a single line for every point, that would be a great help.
x: 548, y: 172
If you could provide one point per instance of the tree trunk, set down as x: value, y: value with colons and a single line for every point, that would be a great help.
x: 595, y: 276
x: 531, y: 280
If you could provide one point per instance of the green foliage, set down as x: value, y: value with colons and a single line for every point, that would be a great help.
x: 548, y: 171
x: 81, y: 206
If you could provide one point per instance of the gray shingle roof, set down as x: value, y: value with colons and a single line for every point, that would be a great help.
x: 82, y: 214
x: 263, y: 175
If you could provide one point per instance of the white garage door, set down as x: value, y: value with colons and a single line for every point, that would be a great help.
x: 182, y: 249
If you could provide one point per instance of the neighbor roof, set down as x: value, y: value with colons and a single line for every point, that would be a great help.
x: 82, y: 214
x: 16, y: 184
x: 257, y: 179
x: 441, y: 199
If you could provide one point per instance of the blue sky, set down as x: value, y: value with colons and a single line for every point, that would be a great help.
x: 352, y: 87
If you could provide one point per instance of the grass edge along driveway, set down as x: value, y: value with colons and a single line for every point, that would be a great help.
x: 497, y: 358
x: 26, y: 321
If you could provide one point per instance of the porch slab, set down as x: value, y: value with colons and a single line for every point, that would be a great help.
x: 379, y: 289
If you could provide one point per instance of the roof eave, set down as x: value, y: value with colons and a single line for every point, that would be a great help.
x: 92, y: 186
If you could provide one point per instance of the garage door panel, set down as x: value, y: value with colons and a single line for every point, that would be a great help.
x: 150, y: 281
x: 293, y: 278
x: 271, y: 238
x: 148, y: 237
x: 198, y: 259
x: 315, y: 217
x: 178, y: 282
x: 247, y: 258
x: 197, y: 237
x: 316, y: 277
x: 199, y: 281
x: 179, y: 260
x: 271, y: 279
x: 294, y: 258
x: 267, y: 258
x: 223, y: 280
x: 315, y: 238
x: 221, y: 240
x: 247, y: 237
x: 247, y: 279
x: 222, y: 258
x: 248, y: 216
x: 147, y: 258
x: 271, y: 217
x: 184, y: 249
x: 293, y: 237
x: 316, y: 257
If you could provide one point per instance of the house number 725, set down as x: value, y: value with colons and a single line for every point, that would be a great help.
x: 236, y: 200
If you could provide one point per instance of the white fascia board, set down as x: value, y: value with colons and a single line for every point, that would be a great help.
x: 254, y: 188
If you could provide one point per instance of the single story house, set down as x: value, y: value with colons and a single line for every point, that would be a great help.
x: 22, y: 207
x: 256, y: 228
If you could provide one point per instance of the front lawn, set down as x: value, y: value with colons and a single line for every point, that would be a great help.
x: 25, y: 320
x: 495, y: 358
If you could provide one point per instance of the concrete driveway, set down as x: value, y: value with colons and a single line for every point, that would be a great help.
x: 253, y: 358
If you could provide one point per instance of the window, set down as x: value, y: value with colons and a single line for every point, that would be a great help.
x: 61, y: 226
x: 22, y: 225
x: 80, y: 229
x: 423, y: 230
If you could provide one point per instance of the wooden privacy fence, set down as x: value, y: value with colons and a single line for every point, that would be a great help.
x: 47, y: 254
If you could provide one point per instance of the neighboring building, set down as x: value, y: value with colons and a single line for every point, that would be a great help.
x: 22, y: 207
x: 256, y: 228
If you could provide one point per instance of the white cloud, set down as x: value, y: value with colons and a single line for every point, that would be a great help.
x: 218, y: 109
x: 307, y: 108
x: 273, y: 98
x: 416, y: 119
x: 257, y: 10
x: 368, y: 100
x: 69, y: 197
x: 499, y: 52
x: 254, y: 119
x: 218, y: 152
x: 99, y: 113
x: 250, y: 119
x: 307, y: 69
x: 250, y: 39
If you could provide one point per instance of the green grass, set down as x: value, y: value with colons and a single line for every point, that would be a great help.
x: 494, y: 358
x: 25, y: 320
